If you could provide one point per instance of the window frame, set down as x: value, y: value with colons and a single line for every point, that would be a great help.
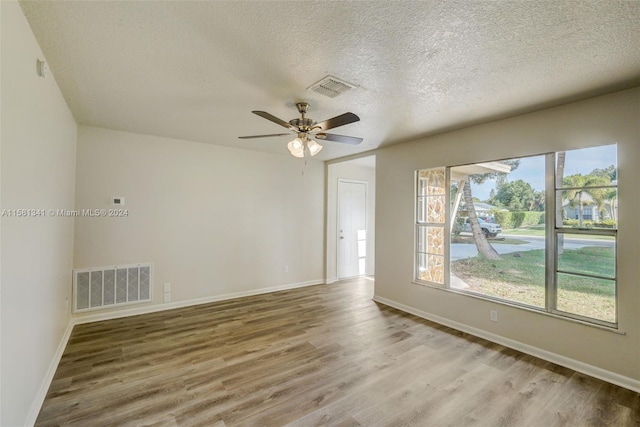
x: 420, y: 224
x: 552, y: 230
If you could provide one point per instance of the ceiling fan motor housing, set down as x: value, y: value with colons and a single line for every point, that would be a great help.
x: 302, y: 123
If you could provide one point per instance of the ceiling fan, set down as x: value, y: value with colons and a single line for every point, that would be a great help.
x: 307, y: 129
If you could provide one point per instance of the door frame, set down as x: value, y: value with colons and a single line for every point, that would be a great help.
x: 366, y: 222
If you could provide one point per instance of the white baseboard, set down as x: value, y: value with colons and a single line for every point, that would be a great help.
x: 48, y: 377
x: 186, y: 303
x: 594, y: 371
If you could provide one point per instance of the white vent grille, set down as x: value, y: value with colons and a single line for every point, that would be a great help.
x: 331, y: 86
x: 102, y: 287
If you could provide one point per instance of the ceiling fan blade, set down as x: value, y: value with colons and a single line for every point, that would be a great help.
x: 274, y: 119
x: 341, y: 120
x: 263, y: 136
x: 339, y: 138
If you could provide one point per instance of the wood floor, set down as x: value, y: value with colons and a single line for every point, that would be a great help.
x: 322, y: 355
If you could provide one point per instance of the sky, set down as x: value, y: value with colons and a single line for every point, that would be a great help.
x: 531, y: 169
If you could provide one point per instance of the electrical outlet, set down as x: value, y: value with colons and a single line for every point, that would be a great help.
x: 167, y: 297
x: 167, y: 287
x: 286, y: 268
x: 493, y: 315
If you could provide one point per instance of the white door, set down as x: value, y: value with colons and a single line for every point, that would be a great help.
x: 352, y: 228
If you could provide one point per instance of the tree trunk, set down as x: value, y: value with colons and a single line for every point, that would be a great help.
x: 456, y: 205
x: 484, y: 247
x: 580, y: 208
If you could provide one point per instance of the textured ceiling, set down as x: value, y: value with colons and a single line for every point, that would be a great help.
x: 195, y: 70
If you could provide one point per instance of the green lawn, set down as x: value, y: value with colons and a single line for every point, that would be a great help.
x: 532, y: 230
x: 520, y: 277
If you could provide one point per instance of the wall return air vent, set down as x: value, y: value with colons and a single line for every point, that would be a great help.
x: 331, y: 86
x: 104, y: 287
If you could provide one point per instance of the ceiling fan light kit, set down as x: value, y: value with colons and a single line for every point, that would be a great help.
x: 306, y: 128
x: 313, y: 147
x: 296, y: 148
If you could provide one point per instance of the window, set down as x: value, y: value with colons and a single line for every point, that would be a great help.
x: 585, y: 252
x: 430, y: 225
x: 536, y: 231
x: 514, y: 209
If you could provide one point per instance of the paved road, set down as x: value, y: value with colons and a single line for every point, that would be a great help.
x: 468, y: 250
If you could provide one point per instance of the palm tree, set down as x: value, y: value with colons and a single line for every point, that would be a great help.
x: 482, y: 244
x: 611, y: 195
x: 574, y: 195
x: 610, y: 176
x: 578, y: 185
x: 560, y: 161
x: 599, y: 196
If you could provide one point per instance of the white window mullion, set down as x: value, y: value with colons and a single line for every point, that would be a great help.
x: 550, y: 231
x: 447, y: 227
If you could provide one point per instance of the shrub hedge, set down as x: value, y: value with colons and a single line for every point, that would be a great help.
x: 518, y: 219
x: 509, y: 220
x: 606, y: 223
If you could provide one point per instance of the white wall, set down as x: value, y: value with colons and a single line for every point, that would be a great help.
x: 1, y: 220
x: 213, y: 220
x: 607, y: 119
x: 37, y: 172
x: 349, y: 170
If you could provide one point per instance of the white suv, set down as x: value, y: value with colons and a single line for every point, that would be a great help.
x: 490, y: 229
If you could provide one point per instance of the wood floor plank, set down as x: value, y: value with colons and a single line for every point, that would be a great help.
x: 318, y: 356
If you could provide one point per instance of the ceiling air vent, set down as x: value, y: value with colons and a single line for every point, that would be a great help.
x: 331, y: 86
